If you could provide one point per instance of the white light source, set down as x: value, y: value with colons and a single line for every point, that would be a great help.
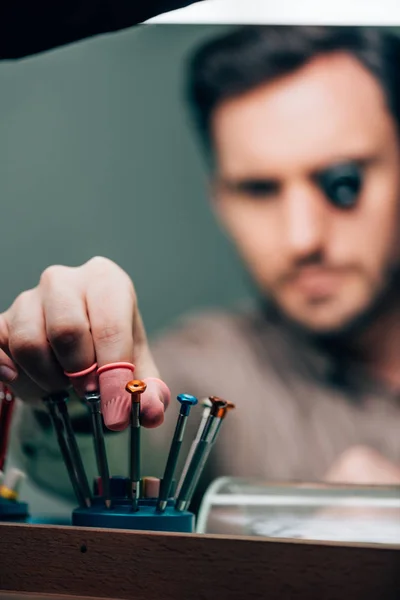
x: 293, y: 12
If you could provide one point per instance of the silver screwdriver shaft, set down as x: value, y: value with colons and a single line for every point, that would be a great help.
x: 61, y: 403
x: 66, y: 452
x: 93, y: 402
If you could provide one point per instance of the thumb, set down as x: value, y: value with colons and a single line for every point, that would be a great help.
x: 116, y: 401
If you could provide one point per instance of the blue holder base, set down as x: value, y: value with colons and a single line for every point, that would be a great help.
x: 146, y: 518
x: 13, y: 511
x: 119, y: 516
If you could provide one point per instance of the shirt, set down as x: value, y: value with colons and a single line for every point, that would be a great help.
x: 294, y: 416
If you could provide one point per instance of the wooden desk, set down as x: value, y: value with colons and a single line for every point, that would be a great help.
x: 80, y: 562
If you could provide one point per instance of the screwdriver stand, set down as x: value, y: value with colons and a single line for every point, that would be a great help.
x: 122, y: 515
x: 146, y: 518
x: 14, y: 511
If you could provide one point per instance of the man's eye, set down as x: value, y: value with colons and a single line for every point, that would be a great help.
x: 342, y: 184
x: 258, y: 189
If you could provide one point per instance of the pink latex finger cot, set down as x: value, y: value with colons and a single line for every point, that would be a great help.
x: 116, y: 401
x: 84, y: 381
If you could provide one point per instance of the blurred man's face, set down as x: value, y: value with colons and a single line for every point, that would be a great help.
x: 323, y: 265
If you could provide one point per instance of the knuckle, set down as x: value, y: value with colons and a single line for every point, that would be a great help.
x: 64, y: 336
x: 100, y: 264
x: 24, y: 344
x: 104, y: 267
x: 52, y: 273
x: 109, y: 334
x: 22, y: 300
x: 22, y: 338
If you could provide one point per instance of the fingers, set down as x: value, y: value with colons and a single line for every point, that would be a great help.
x: 77, y: 317
x: 111, y: 308
x: 11, y: 374
x: 28, y: 344
x: 155, y: 400
x: 67, y: 325
x: 110, y: 303
x: 119, y: 336
x: 65, y: 318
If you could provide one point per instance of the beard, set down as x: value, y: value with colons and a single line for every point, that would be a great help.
x: 385, y: 300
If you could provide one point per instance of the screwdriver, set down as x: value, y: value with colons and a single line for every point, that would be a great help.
x: 186, y: 401
x: 61, y: 403
x: 6, y: 411
x: 93, y: 400
x: 136, y: 389
x: 83, y: 500
x: 213, y: 436
x: 201, y: 448
x: 206, y: 412
x: 218, y: 412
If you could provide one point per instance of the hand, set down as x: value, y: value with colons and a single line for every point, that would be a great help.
x: 72, y: 319
x: 361, y: 465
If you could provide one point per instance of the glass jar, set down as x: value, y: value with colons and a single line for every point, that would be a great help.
x: 303, y: 511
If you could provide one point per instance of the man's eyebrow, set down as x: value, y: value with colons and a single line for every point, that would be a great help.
x: 361, y: 160
x: 246, y: 182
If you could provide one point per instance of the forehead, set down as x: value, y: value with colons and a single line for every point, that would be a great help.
x: 330, y: 109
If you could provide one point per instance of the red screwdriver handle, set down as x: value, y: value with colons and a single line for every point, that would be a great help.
x: 6, y: 412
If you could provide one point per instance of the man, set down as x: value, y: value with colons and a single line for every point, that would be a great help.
x: 300, y: 126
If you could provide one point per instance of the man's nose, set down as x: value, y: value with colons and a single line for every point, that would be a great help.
x: 305, y: 222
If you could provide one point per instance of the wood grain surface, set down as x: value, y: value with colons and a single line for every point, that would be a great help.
x: 95, y: 563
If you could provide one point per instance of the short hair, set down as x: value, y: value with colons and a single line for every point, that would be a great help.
x: 249, y: 56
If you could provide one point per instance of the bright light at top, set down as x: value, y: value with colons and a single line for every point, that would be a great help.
x: 293, y: 12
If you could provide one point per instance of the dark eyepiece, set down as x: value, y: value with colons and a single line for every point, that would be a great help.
x: 342, y: 184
